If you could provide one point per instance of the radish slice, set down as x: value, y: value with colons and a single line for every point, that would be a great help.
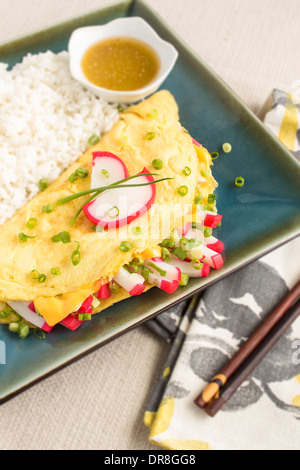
x: 214, y: 244
x: 214, y: 259
x: 23, y: 309
x: 170, y: 281
x: 118, y: 207
x: 107, y: 169
x: 187, y: 268
x: 71, y: 322
x: 104, y: 292
x: 132, y: 282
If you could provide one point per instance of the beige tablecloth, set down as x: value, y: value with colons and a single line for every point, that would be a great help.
x: 98, y: 402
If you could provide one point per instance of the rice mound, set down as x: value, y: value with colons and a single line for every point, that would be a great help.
x: 46, y: 118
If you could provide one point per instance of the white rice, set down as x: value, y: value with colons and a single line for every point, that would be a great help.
x: 46, y: 118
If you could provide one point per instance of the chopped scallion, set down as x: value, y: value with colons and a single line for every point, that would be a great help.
x: 32, y: 223
x: 162, y: 272
x: 93, y: 139
x: 23, y: 237
x: 239, y: 181
x: 184, y: 279
x: 125, y: 246
x: 214, y: 155
x: 48, y: 208
x: 157, y: 163
x: 105, y: 173
x: 226, y: 147
x: 150, y: 135
x: 183, y: 190
x: 43, y: 184
x: 186, y: 171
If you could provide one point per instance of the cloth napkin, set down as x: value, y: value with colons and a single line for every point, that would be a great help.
x: 205, y: 332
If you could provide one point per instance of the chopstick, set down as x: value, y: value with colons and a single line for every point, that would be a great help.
x: 253, y: 360
x: 254, y: 343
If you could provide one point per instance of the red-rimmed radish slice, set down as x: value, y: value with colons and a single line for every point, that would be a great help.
x: 187, y: 268
x: 131, y: 282
x: 195, y: 142
x: 107, y: 169
x: 169, y: 282
x: 27, y: 311
x: 214, y: 259
x: 104, y: 292
x: 86, y: 306
x: 71, y: 322
x: 117, y: 207
x: 214, y: 244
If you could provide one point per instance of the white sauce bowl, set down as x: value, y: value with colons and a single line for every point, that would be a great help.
x: 134, y: 27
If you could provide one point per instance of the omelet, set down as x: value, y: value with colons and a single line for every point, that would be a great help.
x: 100, y: 257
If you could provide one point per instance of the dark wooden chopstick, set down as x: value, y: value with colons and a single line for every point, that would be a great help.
x: 253, y: 360
x: 214, y: 386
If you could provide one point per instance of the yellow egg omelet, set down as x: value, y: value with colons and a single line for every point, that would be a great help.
x: 100, y: 254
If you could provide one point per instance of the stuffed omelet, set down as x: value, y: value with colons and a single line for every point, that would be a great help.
x: 54, y: 277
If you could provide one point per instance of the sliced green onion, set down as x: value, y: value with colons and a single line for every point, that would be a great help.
x: 138, y: 260
x: 196, y: 225
x: 120, y: 108
x: 98, y: 228
x: 226, y: 147
x: 6, y: 312
x: 96, y: 302
x: 239, y: 181
x: 157, y: 163
x: 136, y: 230
x: 18, y: 317
x: 32, y: 223
x: 48, y: 208
x: 42, y: 278
x: 198, y: 199
x: 168, y: 243
x: 105, y: 173
x: 182, y: 190
x: 159, y: 270
x: 183, y: 241
x: 125, y: 246
x: 214, y: 155
x: 192, y: 243
x: 87, y: 316
x: 211, y: 198
x: 63, y: 237
x: 113, y: 287
x: 150, y: 135
x: 145, y: 273
x: 39, y: 333
x: 13, y: 327
x: 184, y: 279
x: 93, y: 139
x: 72, y: 178
x: 23, y: 331
x: 186, y: 171
x: 82, y: 172
x: 34, y: 274
x: 76, y: 257
x: 165, y: 254
x: 55, y: 271
x: 207, y: 232
x: 205, y: 173
x: 113, y: 212
x: 181, y: 254
x: 153, y: 113
x: 23, y: 237
x: 197, y: 264
x: 43, y: 184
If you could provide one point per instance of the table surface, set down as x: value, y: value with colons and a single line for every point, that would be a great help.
x: 98, y: 402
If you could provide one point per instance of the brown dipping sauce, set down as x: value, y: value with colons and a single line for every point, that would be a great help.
x: 120, y: 63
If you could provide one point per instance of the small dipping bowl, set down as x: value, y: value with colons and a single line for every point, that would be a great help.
x: 134, y: 27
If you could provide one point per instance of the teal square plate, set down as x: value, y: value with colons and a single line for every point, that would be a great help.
x: 261, y: 215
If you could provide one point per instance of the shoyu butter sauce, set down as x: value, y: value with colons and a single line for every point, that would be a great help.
x: 121, y: 64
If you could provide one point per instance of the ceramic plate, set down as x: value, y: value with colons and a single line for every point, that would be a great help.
x: 261, y: 215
